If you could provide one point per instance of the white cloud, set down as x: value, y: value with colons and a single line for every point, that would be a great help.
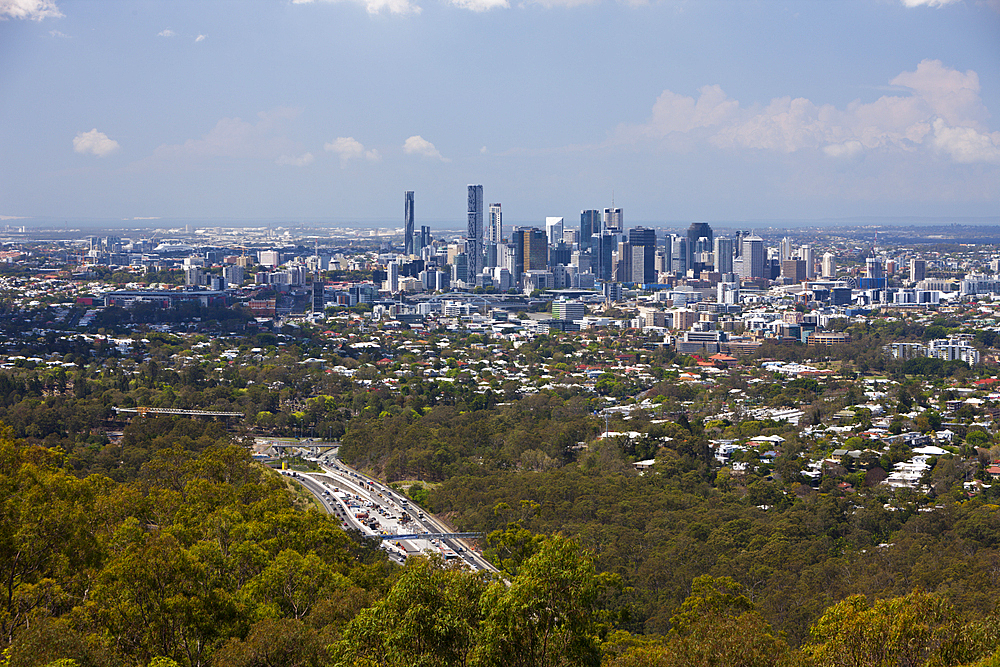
x: 300, y: 161
x: 846, y: 149
x: 236, y: 139
x: 417, y: 145
x: 965, y: 144
x: 349, y: 147
x: 200, y: 38
x: 59, y: 33
x: 401, y: 7
x: 481, y: 5
x: 928, y: 3
x: 938, y: 107
x: 95, y: 143
x: 166, y: 33
x: 35, y: 10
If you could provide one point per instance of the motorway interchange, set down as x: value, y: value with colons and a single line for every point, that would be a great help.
x: 366, y: 505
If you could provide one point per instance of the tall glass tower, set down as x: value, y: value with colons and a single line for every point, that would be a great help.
x: 408, y: 223
x: 474, y: 232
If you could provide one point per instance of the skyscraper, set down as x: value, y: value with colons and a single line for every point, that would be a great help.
x: 678, y: 255
x: 753, y: 256
x: 590, y: 226
x: 807, y: 255
x: 918, y: 270
x: 829, y: 265
x: 613, y: 220
x: 722, y: 253
x: 474, y: 233
x: 645, y: 238
x: 494, y: 235
x: 697, y: 230
x: 408, y: 223
x: 530, y: 251
x: 553, y: 229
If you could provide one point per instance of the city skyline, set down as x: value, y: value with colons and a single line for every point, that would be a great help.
x: 325, y: 111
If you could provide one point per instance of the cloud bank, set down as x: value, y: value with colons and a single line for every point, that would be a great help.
x: 34, y: 10
x: 943, y: 112
x: 94, y: 143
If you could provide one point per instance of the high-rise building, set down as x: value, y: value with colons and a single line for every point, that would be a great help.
x: 531, y: 250
x: 678, y: 255
x: 613, y: 220
x: 536, y: 251
x: 392, y: 281
x: 494, y: 235
x: 829, y: 265
x: 408, y: 247
x: 722, y: 253
x: 753, y: 257
x: 793, y: 269
x: 553, y: 229
x: 474, y: 233
x: 696, y: 232
x: 645, y: 238
x: 807, y: 255
x: 785, y: 248
x: 318, y: 296
x: 918, y: 270
x: 590, y: 226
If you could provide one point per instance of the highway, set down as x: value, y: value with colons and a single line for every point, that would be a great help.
x: 365, y: 504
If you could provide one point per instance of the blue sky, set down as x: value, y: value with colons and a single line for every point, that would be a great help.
x: 708, y: 109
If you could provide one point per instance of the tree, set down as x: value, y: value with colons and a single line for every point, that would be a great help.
x: 906, y: 632
x: 548, y: 613
x: 430, y: 618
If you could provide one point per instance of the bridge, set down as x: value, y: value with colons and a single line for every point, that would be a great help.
x: 142, y: 412
x: 430, y: 536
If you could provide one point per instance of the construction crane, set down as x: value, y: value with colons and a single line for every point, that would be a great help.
x: 142, y: 412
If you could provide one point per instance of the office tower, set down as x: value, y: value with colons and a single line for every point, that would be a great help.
x: 536, y: 251
x: 613, y: 220
x: 460, y: 268
x: 571, y: 236
x: 408, y: 223
x: 697, y: 231
x: 807, y: 255
x: 590, y: 226
x: 553, y: 229
x: 829, y: 265
x: 645, y: 238
x: 785, y: 248
x: 425, y: 236
x: 560, y: 253
x: 604, y: 246
x: 918, y: 270
x: 753, y: 257
x: 531, y: 250
x: 318, y: 300
x: 474, y: 233
x: 793, y: 269
x: 678, y: 255
x: 723, y: 255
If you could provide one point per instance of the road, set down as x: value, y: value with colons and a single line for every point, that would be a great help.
x: 367, y: 505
